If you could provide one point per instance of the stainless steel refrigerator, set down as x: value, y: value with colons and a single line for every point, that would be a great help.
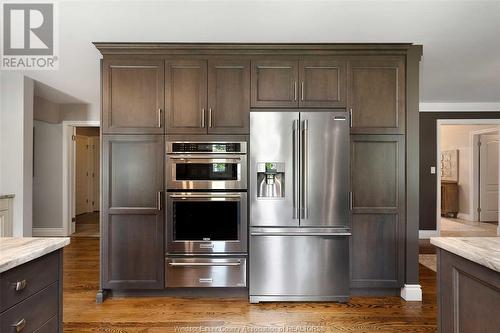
x: 299, y: 205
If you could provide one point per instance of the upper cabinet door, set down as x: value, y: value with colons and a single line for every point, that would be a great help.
x: 133, y: 96
x: 322, y: 83
x: 376, y: 94
x: 186, y: 96
x: 229, y: 96
x: 274, y: 83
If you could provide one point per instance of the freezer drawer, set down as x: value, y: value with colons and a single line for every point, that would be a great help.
x: 295, y: 267
x: 205, y: 272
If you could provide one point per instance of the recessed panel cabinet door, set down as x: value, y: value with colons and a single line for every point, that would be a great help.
x: 378, y: 215
x: 322, y: 83
x: 376, y: 95
x: 274, y: 83
x: 132, y: 96
x: 229, y: 96
x: 186, y: 96
x: 132, y: 212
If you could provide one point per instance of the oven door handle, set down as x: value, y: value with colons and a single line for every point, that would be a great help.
x: 184, y: 264
x: 219, y: 159
x: 205, y: 196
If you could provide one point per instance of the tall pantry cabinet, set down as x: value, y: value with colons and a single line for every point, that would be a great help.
x: 150, y: 90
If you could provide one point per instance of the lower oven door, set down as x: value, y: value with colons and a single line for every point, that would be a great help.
x: 206, y: 222
x: 205, y: 272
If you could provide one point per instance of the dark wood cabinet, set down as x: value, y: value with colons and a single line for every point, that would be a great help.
x: 132, y: 213
x: 275, y: 83
x: 322, y: 83
x: 228, y: 96
x: 376, y: 94
x: 186, y: 96
x: 132, y: 96
x: 309, y: 82
x: 378, y: 211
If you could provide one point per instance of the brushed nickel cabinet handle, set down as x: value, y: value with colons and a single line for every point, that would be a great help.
x: 295, y: 90
x: 350, y: 117
x: 158, y: 200
x: 19, y: 326
x: 302, y: 91
x: 202, y: 117
x: 350, y: 201
x: 159, y: 117
x: 20, y: 285
x: 210, y: 117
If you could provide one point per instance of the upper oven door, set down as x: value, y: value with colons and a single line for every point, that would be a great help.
x: 203, y: 222
x: 201, y: 171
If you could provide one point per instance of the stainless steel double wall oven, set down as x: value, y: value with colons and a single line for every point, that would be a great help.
x: 206, y: 227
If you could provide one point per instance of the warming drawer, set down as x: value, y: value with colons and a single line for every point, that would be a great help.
x: 205, y: 272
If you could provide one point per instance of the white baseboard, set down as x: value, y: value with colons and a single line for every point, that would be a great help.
x: 411, y: 292
x: 73, y: 227
x: 464, y: 216
x: 426, y: 234
x: 49, y: 232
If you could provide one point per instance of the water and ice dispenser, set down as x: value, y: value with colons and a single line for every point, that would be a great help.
x: 270, y: 180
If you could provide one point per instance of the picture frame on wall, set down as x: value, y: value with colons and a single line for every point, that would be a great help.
x: 449, y: 165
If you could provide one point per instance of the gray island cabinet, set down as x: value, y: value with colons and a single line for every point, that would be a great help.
x: 31, y: 284
x: 468, y: 284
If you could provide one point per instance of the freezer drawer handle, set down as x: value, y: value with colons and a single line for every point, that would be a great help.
x: 206, y: 280
x: 301, y: 234
x: 187, y: 264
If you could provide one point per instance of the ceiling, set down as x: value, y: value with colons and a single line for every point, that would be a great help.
x: 461, y: 62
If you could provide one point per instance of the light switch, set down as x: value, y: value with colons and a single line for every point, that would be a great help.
x: 433, y: 170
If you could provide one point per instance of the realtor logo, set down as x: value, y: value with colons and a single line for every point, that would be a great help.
x: 29, y: 36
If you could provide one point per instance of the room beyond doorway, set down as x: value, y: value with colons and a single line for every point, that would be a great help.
x: 467, y: 174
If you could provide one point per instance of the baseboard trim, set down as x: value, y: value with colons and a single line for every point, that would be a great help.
x: 49, y: 232
x: 426, y: 234
x: 411, y: 293
x: 464, y: 216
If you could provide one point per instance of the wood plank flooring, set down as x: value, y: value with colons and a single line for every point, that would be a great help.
x: 175, y: 314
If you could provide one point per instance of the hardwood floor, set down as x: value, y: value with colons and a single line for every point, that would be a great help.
x: 175, y: 314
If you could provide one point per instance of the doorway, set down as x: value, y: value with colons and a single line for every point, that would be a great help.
x: 87, y: 179
x: 467, y: 177
x: 81, y: 178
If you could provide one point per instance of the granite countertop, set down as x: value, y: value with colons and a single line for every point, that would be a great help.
x: 6, y: 196
x: 482, y: 250
x: 15, y: 251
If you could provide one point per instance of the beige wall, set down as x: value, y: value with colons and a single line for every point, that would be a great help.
x: 45, y: 110
x: 458, y: 137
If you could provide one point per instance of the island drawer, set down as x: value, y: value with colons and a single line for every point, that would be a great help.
x: 205, y: 272
x: 21, y: 282
x: 32, y: 313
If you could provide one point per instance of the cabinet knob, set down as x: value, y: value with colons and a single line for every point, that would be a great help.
x: 19, y: 326
x: 20, y: 285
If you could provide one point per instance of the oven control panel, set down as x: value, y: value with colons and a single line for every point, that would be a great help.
x: 206, y: 147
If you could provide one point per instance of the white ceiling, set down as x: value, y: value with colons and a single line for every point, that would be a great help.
x: 461, y: 40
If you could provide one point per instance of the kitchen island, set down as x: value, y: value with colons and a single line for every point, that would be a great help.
x: 31, y: 284
x: 468, y: 283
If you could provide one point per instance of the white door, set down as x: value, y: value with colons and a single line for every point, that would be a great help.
x: 488, y: 178
x: 81, y: 175
x: 96, y: 172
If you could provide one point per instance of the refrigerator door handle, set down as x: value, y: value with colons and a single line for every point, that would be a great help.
x: 295, y: 166
x: 305, y: 153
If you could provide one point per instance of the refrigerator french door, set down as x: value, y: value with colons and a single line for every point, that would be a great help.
x: 299, y: 205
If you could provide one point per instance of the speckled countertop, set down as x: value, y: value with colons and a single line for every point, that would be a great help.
x: 482, y: 250
x: 15, y: 251
x: 6, y: 196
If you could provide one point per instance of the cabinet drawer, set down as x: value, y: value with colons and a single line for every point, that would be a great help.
x: 205, y: 272
x: 33, y: 312
x: 29, y: 278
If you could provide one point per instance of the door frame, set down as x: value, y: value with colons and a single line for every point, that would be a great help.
x: 68, y: 183
x: 439, y: 122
